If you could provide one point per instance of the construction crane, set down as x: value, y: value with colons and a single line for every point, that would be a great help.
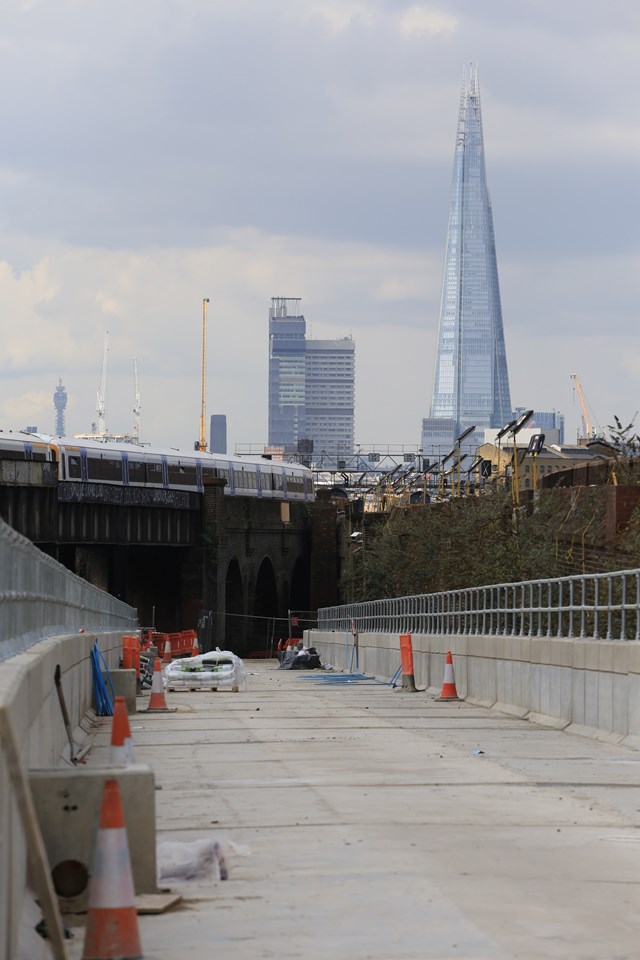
x: 102, y: 389
x: 587, y: 427
x: 136, y: 402
x: 202, y: 445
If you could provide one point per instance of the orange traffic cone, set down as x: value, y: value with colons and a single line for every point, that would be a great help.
x: 406, y: 657
x: 195, y: 650
x: 121, y: 740
x: 449, y: 691
x: 157, y: 700
x: 112, y: 922
x: 166, y: 656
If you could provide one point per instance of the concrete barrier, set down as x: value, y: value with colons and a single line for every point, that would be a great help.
x: 591, y: 687
x: 28, y: 694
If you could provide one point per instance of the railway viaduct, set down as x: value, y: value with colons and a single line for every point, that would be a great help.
x: 173, y: 554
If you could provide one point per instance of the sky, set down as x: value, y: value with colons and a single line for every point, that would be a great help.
x: 160, y: 151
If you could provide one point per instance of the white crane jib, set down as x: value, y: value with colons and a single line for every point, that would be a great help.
x: 102, y: 389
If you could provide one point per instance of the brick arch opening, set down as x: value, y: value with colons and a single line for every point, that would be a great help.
x: 299, y: 596
x: 234, y: 609
x: 265, y: 607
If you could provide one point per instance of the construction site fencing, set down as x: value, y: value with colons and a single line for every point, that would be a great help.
x: 40, y: 598
x: 600, y: 606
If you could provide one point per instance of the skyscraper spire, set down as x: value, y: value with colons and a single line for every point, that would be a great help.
x: 471, y: 383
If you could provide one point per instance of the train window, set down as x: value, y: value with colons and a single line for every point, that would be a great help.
x: 209, y: 473
x: 105, y: 468
x: 136, y: 471
x: 12, y: 453
x: 294, y: 484
x: 74, y: 469
x: 39, y: 455
x: 182, y: 475
x: 154, y: 473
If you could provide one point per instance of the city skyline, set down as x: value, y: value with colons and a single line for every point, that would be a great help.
x: 134, y: 185
x: 471, y: 380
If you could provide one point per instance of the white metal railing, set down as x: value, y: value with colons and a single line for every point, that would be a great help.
x: 587, y: 606
x: 41, y: 598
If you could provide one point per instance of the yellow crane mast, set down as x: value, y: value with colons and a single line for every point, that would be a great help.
x: 203, y: 398
x: 589, y: 432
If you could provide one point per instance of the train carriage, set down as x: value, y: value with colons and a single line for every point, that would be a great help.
x: 129, y: 465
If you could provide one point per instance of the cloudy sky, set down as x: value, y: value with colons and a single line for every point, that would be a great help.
x: 155, y: 152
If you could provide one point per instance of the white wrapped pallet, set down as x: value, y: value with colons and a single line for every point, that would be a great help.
x: 217, y: 670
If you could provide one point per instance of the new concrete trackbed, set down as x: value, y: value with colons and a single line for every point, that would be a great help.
x: 377, y: 830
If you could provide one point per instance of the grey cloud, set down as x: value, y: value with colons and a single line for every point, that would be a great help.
x: 156, y: 126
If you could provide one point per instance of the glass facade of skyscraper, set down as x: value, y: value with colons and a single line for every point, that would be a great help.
x: 311, y: 385
x: 471, y: 383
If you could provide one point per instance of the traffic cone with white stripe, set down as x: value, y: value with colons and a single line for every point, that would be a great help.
x: 449, y: 691
x: 122, y: 753
x: 195, y: 650
x: 157, y: 700
x: 112, y: 922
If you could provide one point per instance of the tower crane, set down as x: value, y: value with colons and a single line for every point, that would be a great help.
x: 102, y: 389
x: 136, y: 402
x: 587, y: 426
x: 203, y: 399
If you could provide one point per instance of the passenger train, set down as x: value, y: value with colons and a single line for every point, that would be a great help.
x: 130, y: 465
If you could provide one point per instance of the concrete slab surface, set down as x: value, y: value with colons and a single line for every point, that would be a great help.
x: 378, y: 832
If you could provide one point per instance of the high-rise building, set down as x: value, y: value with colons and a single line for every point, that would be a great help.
x: 330, y: 395
x: 544, y: 420
x: 311, y: 385
x: 60, y: 403
x: 471, y: 383
x: 218, y: 433
x: 287, y: 336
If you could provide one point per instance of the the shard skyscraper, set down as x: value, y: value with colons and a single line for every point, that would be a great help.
x: 471, y: 383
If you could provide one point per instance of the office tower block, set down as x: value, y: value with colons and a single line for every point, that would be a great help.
x: 60, y: 403
x: 544, y: 420
x: 471, y: 383
x: 311, y: 385
x: 330, y: 395
x: 287, y: 332
x: 218, y: 433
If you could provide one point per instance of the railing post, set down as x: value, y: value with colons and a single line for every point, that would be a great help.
x: 571, y: 582
x: 559, y: 634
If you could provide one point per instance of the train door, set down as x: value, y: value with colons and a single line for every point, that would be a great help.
x: 259, y: 479
x: 28, y: 450
x: 165, y: 472
x: 285, y: 489
x: 125, y: 468
x: 84, y: 467
x: 199, y: 481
